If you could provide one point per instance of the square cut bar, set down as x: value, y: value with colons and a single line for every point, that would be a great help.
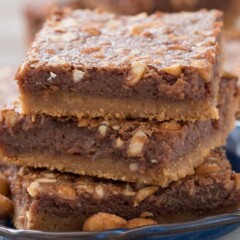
x: 51, y: 201
x: 149, y: 152
x: 94, y: 64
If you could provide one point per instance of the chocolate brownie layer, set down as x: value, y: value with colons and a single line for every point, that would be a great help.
x: 130, y: 150
x: 91, y: 63
x: 59, y: 202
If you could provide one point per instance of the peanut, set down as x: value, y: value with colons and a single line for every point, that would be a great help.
x: 175, y: 70
x: 136, y: 73
x: 144, y: 193
x: 103, y: 221
x: 78, y: 75
x: 136, y: 145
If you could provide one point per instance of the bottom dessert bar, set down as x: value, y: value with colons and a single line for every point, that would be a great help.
x: 52, y: 201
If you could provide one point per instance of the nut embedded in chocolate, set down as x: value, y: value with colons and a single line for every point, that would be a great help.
x: 136, y: 145
x: 136, y: 72
x: 78, y: 75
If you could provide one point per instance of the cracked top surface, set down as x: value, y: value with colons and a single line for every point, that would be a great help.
x: 87, y: 39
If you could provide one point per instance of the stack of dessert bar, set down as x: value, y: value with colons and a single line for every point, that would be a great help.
x: 121, y: 115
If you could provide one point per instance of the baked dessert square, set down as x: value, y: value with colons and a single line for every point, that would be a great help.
x: 51, y: 201
x: 141, y: 151
x: 95, y: 64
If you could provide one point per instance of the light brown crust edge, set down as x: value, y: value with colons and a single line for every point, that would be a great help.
x: 65, y: 104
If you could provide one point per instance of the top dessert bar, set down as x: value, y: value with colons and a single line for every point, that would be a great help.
x: 97, y: 64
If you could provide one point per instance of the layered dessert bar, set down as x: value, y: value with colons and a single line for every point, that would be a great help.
x: 149, y: 152
x: 95, y: 64
x: 51, y: 201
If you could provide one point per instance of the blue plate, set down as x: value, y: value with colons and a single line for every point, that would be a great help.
x: 206, y: 228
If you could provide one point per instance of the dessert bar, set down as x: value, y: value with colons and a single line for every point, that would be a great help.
x: 94, y: 64
x: 148, y: 152
x: 51, y: 201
